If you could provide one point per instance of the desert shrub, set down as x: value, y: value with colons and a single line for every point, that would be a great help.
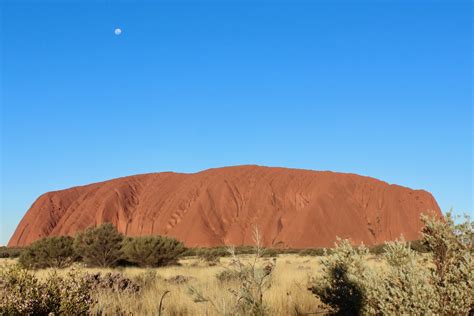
x: 211, y: 256
x: 288, y: 250
x: 190, y: 252
x: 49, y: 252
x: 439, y: 283
x: 340, y: 286
x: 220, y: 252
x: 231, y: 275
x: 405, y: 289
x: 227, y: 276
x: 315, y: 252
x: 269, y: 253
x: 153, y: 251
x: 147, y: 279
x: 100, y: 246
x: 451, y: 247
x: 419, y: 246
x: 21, y: 293
x: 215, y: 252
x: 114, y: 282
x: 254, y: 278
x: 416, y: 245
x: 243, y: 250
x: 10, y: 252
x: 240, y: 250
x: 377, y: 249
x: 75, y: 293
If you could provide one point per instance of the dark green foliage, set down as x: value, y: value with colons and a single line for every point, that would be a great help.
x: 339, y: 286
x: 211, y: 252
x: 244, y: 250
x: 9, y: 252
x: 312, y: 252
x: 50, y: 252
x: 269, y: 253
x: 288, y: 250
x: 153, y: 251
x: 344, y: 296
x: 100, y: 246
x: 419, y: 246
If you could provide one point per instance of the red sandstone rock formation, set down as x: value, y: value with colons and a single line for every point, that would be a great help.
x: 291, y: 208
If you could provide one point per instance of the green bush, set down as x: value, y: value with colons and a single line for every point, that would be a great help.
x: 153, y: 251
x: 100, y: 246
x: 270, y: 253
x: 288, y: 250
x: 50, y: 252
x: 242, y: 250
x: 438, y: 283
x: 21, y: 293
x: 339, y: 287
x: 10, y: 252
x: 316, y: 252
x: 208, y: 254
x: 218, y: 252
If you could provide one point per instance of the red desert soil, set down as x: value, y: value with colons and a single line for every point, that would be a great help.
x: 291, y: 208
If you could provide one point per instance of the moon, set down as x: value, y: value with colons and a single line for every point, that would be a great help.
x: 118, y: 31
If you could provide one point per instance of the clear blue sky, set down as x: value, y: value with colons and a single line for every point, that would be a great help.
x: 379, y: 88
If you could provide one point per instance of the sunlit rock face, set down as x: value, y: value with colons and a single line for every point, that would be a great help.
x: 290, y: 207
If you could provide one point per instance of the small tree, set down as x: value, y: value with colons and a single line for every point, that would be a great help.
x: 100, y: 246
x: 50, y: 252
x: 451, y: 246
x: 341, y: 286
x: 152, y: 251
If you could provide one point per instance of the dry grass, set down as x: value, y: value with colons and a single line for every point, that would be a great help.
x: 287, y: 294
x: 288, y: 289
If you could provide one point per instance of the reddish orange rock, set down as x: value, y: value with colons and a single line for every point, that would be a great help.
x: 291, y: 208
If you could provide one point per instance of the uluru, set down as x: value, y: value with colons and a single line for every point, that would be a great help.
x: 291, y: 208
